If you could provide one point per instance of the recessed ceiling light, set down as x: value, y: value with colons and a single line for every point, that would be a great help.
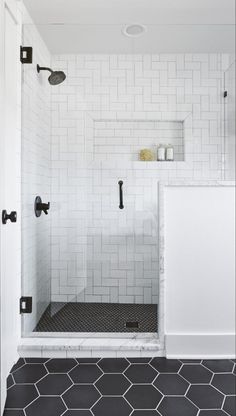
x: 134, y: 30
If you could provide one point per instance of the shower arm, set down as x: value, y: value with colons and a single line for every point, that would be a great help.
x: 43, y: 68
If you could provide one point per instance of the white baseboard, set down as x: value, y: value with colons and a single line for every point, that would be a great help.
x: 204, y: 346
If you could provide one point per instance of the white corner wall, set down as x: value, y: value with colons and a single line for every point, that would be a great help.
x: 199, y: 271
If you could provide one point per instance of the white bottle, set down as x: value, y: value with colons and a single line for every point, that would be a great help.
x: 169, y: 152
x: 161, y: 150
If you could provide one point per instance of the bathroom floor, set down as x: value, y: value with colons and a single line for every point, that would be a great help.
x: 98, y: 317
x: 121, y: 387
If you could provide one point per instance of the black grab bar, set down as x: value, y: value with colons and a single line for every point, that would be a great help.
x: 120, y: 183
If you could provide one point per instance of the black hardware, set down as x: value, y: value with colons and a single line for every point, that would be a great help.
x: 225, y: 94
x: 132, y: 324
x: 43, y: 68
x: 56, y: 77
x: 26, y: 54
x: 39, y: 206
x: 120, y: 183
x: 12, y: 216
x: 26, y: 304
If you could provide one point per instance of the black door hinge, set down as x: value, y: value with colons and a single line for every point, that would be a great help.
x: 26, y: 304
x: 225, y: 94
x: 26, y: 54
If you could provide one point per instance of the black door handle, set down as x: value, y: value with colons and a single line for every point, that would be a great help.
x: 11, y: 217
x: 120, y: 183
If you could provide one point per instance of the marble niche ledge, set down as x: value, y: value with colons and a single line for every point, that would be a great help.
x: 137, y: 345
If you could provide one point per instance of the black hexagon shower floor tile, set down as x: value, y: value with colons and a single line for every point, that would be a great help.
x: 121, y: 387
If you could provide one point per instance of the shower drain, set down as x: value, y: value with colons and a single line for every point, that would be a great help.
x: 132, y: 324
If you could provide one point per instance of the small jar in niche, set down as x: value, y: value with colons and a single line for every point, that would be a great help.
x: 161, y: 150
x: 170, y: 152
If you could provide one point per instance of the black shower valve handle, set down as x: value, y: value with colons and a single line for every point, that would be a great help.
x: 40, y: 206
x: 44, y: 207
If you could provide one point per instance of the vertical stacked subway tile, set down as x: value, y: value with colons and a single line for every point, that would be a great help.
x: 109, y: 108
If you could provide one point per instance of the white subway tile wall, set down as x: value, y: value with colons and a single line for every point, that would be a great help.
x: 107, y: 110
x: 36, y: 177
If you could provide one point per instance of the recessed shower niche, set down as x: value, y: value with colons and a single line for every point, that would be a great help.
x: 123, y: 139
x: 119, y: 139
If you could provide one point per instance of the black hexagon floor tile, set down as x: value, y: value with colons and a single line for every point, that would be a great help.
x: 50, y: 406
x: 19, y: 364
x: 141, y: 373
x: 20, y: 395
x: 139, y: 360
x: 54, y: 384
x: 113, y: 384
x: 77, y: 413
x: 219, y: 366
x: 171, y: 384
x: 124, y: 387
x: 115, y: 406
x: 145, y: 413
x: 113, y: 365
x: 205, y: 396
x: 196, y: 374
x: 60, y: 365
x: 85, y: 373
x: 226, y: 383
x: 177, y: 406
x: 143, y: 396
x: 212, y: 413
x: 81, y: 396
x: 230, y: 405
x: 30, y: 373
x: 36, y: 360
x: 163, y: 365
x: 10, y: 381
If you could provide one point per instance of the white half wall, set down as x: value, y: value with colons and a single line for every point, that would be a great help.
x: 199, y: 271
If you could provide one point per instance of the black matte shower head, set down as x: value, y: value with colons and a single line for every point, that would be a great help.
x: 56, y: 77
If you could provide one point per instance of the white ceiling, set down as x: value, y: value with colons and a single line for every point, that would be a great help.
x: 94, y: 26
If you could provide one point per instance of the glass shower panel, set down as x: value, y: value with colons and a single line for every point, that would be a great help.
x: 88, y: 265
x: 36, y: 181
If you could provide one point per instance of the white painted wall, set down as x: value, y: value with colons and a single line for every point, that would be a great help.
x: 199, y: 271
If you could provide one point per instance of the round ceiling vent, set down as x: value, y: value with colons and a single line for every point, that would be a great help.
x: 134, y: 30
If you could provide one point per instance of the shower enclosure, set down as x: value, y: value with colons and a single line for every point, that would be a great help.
x: 90, y: 241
